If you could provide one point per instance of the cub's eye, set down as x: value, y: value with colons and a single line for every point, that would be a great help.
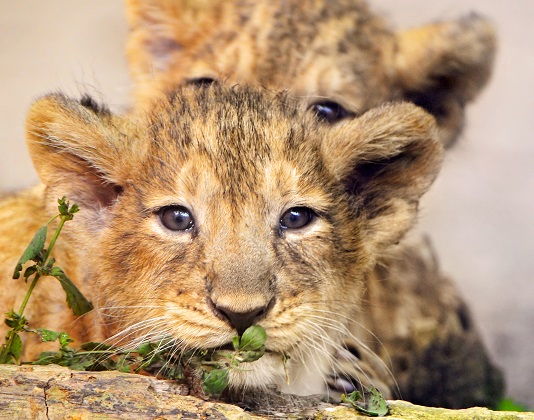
x: 296, y: 218
x: 176, y: 218
x: 201, y: 81
x: 329, y: 111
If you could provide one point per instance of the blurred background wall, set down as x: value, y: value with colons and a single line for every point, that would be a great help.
x: 479, y: 213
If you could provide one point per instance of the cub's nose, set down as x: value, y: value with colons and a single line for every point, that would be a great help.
x: 241, y: 320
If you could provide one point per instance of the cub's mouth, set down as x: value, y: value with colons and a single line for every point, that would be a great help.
x: 247, y: 347
x: 215, y: 367
x: 229, y: 348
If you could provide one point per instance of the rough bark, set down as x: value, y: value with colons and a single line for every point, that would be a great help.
x: 53, y: 392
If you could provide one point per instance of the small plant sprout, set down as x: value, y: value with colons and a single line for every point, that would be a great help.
x: 44, y: 266
x: 371, y: 402
x: 247, y: 348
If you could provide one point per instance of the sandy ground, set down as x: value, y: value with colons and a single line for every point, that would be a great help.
x: 479, y: 213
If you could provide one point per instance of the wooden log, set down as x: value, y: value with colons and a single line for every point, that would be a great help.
x: 53, y: 392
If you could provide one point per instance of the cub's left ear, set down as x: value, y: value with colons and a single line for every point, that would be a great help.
x: 79, y: 150
x: 442, y: 66
x: 385, y: 160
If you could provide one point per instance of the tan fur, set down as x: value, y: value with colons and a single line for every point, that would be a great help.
x: 340, y: 51
x: 320, y: 50
x: 337, y: 52
x: 238, y: 159
x: 415, y: 319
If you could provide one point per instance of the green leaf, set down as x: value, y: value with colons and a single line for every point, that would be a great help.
x: 47, y: 335
x: 78, y: 363
x: 64, y: 339
x: 11, y: 323
x: 215, y: 381
x: 235, y: 342
x: 14, y: 321
x: 249, y: 356
x: 63, y: 208
x: 174, y: 372
x: 16, y: 347
x: 146, y: 348
x: 351, y: 398
x: 371, y: 403
x: 75, y: 299
x: 66, y: 357
x: 33, y: 250
x: 253, y: 339
x: 30, y: 271
x: 508, y: 404
x: 123, y: 365
x: 74, y: 208
x: 48, y: 358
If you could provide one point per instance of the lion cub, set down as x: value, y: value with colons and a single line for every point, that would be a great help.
x: 219, y: 208
x: 336, y: 55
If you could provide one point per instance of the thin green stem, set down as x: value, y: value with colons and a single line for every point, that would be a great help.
x: 28, y: 294
x: 46, y: 257
x: 62, y: 221
x: 52, y: 219
x: 12, y: 333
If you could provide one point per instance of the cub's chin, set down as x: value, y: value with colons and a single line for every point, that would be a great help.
x: 267, y: 371
x: 298, y: 377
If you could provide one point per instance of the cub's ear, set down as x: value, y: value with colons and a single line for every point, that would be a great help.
x: 443, y: 66
x: 162, y: 32
x: 385, y: 159
x: 77, y: 149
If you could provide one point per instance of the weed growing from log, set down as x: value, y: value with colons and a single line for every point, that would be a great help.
x: 44, y: 266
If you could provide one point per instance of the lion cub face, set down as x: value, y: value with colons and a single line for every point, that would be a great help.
x: 226, y: 207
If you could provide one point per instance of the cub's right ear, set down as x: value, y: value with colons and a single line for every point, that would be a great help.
x: 77, y: 149
x: 386, y: 159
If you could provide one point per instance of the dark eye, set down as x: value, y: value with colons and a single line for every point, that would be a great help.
x: 296, y: 218
x: 329, y: 111
x: 176, y: 218
x: 201, y: 81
